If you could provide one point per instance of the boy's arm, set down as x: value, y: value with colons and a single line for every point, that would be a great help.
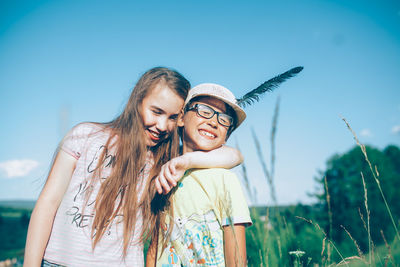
x: 173, y: 170
x: 46, y: 207
x: 152, y: 254
x: 235, y: 245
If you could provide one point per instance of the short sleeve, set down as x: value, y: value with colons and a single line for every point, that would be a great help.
x: 233, y: 204
x: 74, y: 142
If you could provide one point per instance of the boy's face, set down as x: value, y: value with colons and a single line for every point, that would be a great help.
x: 200, y: 133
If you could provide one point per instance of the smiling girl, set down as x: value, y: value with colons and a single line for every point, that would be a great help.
x: 96, y: 199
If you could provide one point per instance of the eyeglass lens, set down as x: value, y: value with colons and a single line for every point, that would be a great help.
x: 207, y: 112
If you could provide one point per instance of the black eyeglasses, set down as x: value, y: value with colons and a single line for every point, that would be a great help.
x: 207, y: 113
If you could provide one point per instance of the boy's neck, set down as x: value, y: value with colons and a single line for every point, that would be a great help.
x: 186, y: 149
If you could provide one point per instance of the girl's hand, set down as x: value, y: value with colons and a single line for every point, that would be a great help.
x: 171, y: 172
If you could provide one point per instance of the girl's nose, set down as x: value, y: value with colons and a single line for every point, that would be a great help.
x: 162, y: 124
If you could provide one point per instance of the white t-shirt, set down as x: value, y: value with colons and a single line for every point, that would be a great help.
x: 70, y: 242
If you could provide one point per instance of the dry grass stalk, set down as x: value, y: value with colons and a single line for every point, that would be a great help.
x: 226, y: 204
x: 329, y: 252
x: 375, y: 174
x: 262, y: 232
x: 373, y: 248
x: 328, y: 200
x: 368, y: 220
x: 286, y: 225
x: 316, y: 225
x: 269, y: 174
x: 344, y: 261
x: 266, y: 229
x: 362, y: 219
x: 261, y: 235
x: 360, y: 254
x: 261, y: 258
x: 251, y: 193
x: 388, y: 248
x: 273, y: 136
x: 323, y: 246
x: 279, y: 247
x: 264, y: 167
x: 324, y: 259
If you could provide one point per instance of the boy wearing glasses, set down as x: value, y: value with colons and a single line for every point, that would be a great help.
x: 204, y: 225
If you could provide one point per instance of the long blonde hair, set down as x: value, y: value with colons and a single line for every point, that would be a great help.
x: 118, y: 193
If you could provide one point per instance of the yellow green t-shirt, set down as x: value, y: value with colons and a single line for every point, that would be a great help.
x: 204, y: 202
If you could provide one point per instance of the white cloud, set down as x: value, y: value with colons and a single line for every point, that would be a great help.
x: 396, y: 129
x: 365, y: 133
x: 18, y: 168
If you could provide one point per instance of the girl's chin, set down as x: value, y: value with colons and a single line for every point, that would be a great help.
x: 151, y: 143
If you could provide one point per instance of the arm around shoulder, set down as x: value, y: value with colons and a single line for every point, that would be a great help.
x: 46, y: 207
x: 173, y: 170
x: 223, y: 157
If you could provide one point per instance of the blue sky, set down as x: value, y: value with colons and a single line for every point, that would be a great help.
x: 64, y: 62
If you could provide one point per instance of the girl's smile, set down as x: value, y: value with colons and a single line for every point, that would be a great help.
x: 159, y: 115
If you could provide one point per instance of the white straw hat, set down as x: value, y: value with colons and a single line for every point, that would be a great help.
x: 221, y: 93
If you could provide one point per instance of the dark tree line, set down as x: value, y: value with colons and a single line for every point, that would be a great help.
x: 347, y: 200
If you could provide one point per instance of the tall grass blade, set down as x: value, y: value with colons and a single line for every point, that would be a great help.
x: 264, y: 167
x: 360, y: 254
x: 328, y: 201
x: 273, y: 136
x: 316, y: 225
x: 375, y: 175
x: 269, y: 174
x: 368, y: 218
x: 250, y: 192
x: 388, y: 248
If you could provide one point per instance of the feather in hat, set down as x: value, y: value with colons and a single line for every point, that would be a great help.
x: 268, y: 86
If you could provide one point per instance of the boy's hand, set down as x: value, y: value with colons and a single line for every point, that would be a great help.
x: 170, y: 174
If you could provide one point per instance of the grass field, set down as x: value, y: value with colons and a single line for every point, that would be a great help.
x: 14, y: 220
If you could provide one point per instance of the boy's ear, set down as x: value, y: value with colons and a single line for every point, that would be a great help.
x: 180, y: 119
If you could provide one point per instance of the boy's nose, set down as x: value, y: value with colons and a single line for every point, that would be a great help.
x: 213, y: 121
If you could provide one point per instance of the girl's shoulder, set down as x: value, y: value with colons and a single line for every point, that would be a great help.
x: 86, y: 130
x: 82, y: 135
x: 88, y: 127
x: 212, y: 172
x: 210, y: 178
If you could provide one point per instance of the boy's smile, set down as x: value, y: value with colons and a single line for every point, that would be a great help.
x: 200, y: 133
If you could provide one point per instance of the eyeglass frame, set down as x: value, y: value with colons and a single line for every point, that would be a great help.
x: 195, y: 107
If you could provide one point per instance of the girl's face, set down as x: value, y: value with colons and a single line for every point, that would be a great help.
x: 159, y: 111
